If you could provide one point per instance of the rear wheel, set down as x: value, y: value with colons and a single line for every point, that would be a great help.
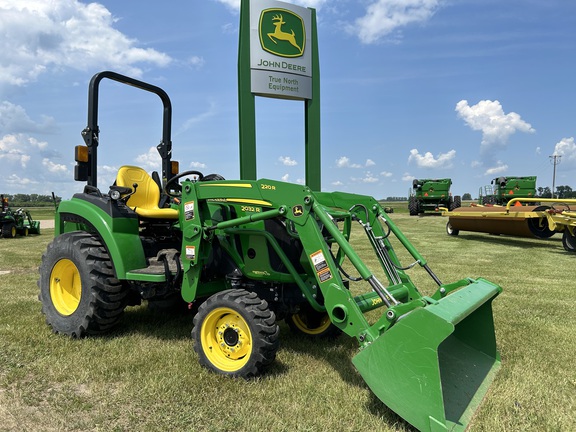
x: 235, y: 334
x: 312, y: 323
x: 78, y: 290
x: 9, y: 230
x: 569, y: 241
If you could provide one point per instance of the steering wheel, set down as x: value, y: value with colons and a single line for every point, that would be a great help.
x: 173, y: 182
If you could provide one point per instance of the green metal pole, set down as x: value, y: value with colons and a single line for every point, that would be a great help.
x: 246, y: 103
x: 312, y: 115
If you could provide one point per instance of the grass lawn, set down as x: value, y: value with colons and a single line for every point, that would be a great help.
x: 145, y: 375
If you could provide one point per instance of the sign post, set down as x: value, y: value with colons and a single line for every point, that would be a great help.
x: 278, y: 58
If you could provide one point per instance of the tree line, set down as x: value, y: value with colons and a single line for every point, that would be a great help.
x: 31, y: 200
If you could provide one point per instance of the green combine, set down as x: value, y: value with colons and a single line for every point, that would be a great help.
x: 250, y: 253
x: 431, y: 195
x: 503, y: 189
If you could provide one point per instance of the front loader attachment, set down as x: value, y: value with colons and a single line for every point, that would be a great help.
x: 434, y: 366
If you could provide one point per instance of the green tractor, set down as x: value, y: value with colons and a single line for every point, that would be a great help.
x: 250, y: 253
x: 17, y: 222
x: 431, y: 195
x: 503, y: 189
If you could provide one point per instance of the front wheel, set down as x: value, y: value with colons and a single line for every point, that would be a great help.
x: 235, y: 334
x: 455, y: 203
x: 450, y: 230
x: 78, y: 290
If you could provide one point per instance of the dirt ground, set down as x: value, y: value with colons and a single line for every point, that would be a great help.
x: 48, y: 223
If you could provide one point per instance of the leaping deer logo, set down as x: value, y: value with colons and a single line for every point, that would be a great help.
x: 282, y: 32
x: 278, y: 34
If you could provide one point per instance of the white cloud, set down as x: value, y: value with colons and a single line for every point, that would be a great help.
x: 369, y: 178
x: 38, y: 35
x: 489, y: 118
x: 54, y: 167
x: 344, y: 162
x: 567, y: 149
x: 197, y: 165
x: 407, y: 177
x: 13, y: 118
x: 151, y: 160
x: 16, y: 150
x: 337, y: 183
x: 384, y: 16
x: 196, y: 62
x: 386, y: 174
x: 287, y: 161
x: 285, y: 177
x: 15, y: 180
x: 443, y: 160
x: 198, y: 118
x: 498, y: 169
x: 369, y: 162
x: 476, y: 164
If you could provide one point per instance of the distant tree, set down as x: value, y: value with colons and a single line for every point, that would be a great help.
x: 396, y: 199
x: 544, y: 192
x: 466, y: 197
x: 564, y: 192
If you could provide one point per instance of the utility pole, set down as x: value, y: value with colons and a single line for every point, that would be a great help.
x: 555, y: 159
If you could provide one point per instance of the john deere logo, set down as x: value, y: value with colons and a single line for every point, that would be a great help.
x: 297, y: 210
x: 282, y: 32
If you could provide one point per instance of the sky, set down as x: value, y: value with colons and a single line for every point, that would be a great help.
x: 464, y: 89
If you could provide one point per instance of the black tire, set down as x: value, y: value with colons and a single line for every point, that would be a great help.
x: 539, y: 226
x: 568, y: 241
x: 235, y: 334
x: 450, y: 230
x: 312, y: 323
x: 413, y: 206
x: 456, y: 203
x: 9, y: 230
x: 79, y: 293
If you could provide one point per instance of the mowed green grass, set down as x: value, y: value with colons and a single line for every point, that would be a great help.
x: 145, y: 375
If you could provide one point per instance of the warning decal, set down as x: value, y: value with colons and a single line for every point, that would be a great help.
x: 318, y: 260
x: 324, y: 275
x: 191, y: 252
x: 189, y: 210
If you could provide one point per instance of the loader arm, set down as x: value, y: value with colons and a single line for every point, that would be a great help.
x: 438, y: 352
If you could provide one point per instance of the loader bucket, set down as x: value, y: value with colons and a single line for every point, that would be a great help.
x: 434, y: 366
x: 34, y: 227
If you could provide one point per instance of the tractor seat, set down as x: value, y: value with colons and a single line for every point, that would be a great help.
x: 145, y: 200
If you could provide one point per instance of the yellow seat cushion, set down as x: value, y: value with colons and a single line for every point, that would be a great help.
x: 145, y: 200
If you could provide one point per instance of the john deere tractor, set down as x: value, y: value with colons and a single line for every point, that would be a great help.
x: 431, y: 195
x: 16, y: 222
x: 251, y: 253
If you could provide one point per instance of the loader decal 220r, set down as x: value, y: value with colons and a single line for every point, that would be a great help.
x: 251, y: 253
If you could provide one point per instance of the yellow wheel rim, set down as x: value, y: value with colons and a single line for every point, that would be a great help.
x: 226, y: 339
x: 302, y: 322
x: 65, y: 287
